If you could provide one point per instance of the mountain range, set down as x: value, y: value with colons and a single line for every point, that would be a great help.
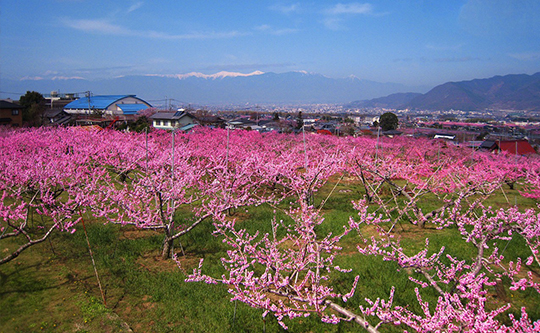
x: 509, y: 92
x: 221, y: 88
x: 512, y: 92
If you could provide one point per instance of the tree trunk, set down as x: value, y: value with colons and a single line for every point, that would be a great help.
x: 167, y: 244
x: 167, y: 248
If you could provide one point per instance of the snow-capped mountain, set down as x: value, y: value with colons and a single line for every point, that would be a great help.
x: 221, y: 87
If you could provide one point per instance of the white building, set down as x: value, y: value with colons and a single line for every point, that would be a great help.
x: 173, y: 120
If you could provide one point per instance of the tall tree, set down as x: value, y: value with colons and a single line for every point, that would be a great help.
x: 388, y: 121
x: 33, y: 105
x: 299, y: 120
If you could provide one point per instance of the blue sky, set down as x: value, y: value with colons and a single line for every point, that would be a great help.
x: 413, y: 42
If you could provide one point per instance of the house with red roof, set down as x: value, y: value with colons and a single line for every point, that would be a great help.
x: 513, y: 147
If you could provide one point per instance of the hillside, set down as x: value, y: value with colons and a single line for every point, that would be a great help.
x: 516, y: 92
x: 393, y: 101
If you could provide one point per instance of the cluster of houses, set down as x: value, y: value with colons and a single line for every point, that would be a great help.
x: 101, y: 110
x: 106, y: 110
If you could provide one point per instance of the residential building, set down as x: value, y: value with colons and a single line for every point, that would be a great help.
x: 10, y: 114
x: 54, y: 117
x: 513, y: 147
x: 173, y: 120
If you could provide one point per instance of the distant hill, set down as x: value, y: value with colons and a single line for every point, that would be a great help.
x: 513, y: 92
x: 220, y: 88
x: 393, y: 101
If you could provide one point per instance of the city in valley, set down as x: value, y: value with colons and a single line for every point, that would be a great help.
x: 132, y: 113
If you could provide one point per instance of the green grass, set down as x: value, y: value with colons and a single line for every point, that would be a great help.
x: 52, y: 287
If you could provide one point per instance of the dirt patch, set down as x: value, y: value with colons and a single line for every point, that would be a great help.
x: 139, y: 233
x: 154, y: 263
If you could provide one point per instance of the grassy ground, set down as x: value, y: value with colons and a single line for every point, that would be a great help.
x: 53, y: 288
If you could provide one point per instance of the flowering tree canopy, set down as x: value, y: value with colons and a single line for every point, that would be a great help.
x: 173, y: 182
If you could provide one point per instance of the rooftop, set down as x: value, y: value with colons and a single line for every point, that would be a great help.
x: 100, y: 102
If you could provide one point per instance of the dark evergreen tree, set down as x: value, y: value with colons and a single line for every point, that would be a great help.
x: 33, y: 106
x: 299, y: 120
x: 388, y: 121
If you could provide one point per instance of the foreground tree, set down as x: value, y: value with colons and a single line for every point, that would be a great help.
x: 195, y: 173
x: 289, y: 273
x: 45, y: 186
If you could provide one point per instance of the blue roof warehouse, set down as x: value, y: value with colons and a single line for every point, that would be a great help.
x: 108, y: 105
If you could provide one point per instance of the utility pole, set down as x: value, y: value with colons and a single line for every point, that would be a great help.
x: 88, y: 94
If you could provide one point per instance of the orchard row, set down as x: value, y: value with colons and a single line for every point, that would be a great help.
x: 147, y: 180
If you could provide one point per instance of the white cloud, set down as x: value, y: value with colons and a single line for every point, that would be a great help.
x: 99, y: 26
x: 192, y: 35
x: 263, y: 27
x: 273, y: 31
x: 351, y: 8
x: 336, y: 15
x: 50, y: 72
x: 49, y: 77
x: 286, y: 9
x: 135, y: 6
x: 67, y: 78
x: 526, y: 56
x: 333, y: 23
x: 107, y: 28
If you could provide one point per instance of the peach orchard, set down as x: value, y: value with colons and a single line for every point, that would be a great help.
x: 51, y: 178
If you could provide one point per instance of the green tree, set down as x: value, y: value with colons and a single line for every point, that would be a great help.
x: 388, y: 121
x: 140, y: 125
x: 33, y: 106
x: 299, y: 120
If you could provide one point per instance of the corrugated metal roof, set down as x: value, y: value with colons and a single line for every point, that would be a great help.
x: 164, y: 115
x: 132, y: 108
x: 187, y: 127
x: 170, y: 115
x: 99, y: 102
x: 516, y: 147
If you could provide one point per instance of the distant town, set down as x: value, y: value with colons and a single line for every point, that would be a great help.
x: 486, y: 129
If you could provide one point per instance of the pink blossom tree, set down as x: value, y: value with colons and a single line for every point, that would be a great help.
x: 289, y: 275
x: 195, y: 171
x: 46, y: 184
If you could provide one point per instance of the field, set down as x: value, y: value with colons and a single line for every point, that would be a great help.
x: 100, y: 276
x: 53, y: 288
